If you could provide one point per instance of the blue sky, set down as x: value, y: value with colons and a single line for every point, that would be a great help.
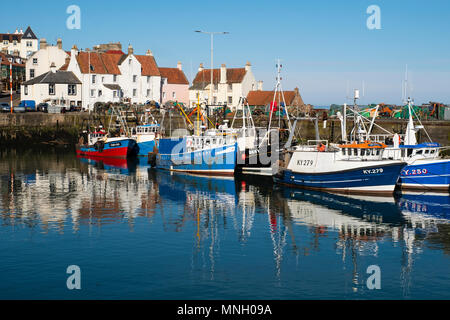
x: 325, y: 45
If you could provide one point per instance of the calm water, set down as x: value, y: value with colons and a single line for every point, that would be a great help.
x: 137, y: 233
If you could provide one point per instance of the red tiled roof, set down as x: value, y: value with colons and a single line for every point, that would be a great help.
x: 263, y: 98
x: 149, y: 67
x: 115, y: 52
x: 235, y: 75
x: 102, y: 63
x: 174, y: 75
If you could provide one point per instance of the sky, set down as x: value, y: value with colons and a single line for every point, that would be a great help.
x: 325, y: 46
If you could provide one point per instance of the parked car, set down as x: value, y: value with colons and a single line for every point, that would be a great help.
x: 42, y: 107
x: 5, y: 107
x: 29, y: 105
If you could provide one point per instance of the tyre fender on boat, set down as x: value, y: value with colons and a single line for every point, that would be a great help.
x: 99, y: 146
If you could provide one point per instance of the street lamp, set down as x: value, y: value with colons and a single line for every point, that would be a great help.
x: 212, y: 59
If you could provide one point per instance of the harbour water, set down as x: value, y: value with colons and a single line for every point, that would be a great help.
x: 137, y: 233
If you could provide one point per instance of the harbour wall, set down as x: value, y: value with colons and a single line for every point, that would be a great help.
x: 22, y: 130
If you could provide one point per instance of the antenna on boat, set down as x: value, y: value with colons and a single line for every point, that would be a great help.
x: 279, y: 91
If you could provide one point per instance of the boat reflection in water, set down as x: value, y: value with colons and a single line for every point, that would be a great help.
x: 188, y: 236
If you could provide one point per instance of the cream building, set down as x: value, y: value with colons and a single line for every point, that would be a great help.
x: 19, y: 43
x: 40, y: 61
x: 229, y: 85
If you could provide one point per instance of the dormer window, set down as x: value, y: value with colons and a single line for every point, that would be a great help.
x: 35, y: 61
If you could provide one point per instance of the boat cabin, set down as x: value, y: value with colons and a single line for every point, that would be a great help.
x: 149, y: 129
x: 96, y: 136
x: 420, y: 151
x: 366, y: 151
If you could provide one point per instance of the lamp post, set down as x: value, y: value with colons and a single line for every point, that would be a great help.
x: 212, y: 59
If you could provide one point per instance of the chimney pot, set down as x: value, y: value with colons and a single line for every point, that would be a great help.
x: 130, y: 49
x: 201, y: 67
x: 43, y: 43
x: 149, y: 53
x: 59, y: 43
x: 179, y: 66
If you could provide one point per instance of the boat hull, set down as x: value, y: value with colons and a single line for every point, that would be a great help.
x: 112, y: 149
x: 214, y: 161
x: 380, y: 179
x: 426, y: 175
x: 146, y: 147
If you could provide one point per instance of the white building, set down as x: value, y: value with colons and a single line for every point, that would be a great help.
x: 115, y: 77
x: 19, y: 43
x: 40, y: 61
x: 229, y: 85
x: 55, y: 87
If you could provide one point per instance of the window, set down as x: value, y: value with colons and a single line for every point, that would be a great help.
x: 114, y: 94
x: 72, y: 90
x: 51, y: 89
x: 26, y: 90
x: 343, y: 151
x: 230, y: 99
x: 31, y: 73
x: 35, y: 61
x: 215, y: 100
x: 103, y: 79
x: 134, y: 92
x: 164, y: 95
x: 174, y: 95
x: 129, y: 62
x: 91, y: 67
x: 230, y: 87
x: 134, y: 78
x: 93, y: 78
x: 100, y: 93
x: 29, y: 44
x: 5, y: 42
x: 355, y: 152
x: 15, y: 42
x: 148, y: 79
x: 148, y: 93
x: 115, y: 78
x: 92, y: 93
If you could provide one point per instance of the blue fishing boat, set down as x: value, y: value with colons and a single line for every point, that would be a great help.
x: 211, y: 153
x: 147, y: 137
x: 425, y: 169
x: 356, y: 168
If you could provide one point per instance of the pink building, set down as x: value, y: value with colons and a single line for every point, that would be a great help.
x: 174, y: 85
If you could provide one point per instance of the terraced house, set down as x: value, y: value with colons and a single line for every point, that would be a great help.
x: 113, y: 76
x: 229, y: 85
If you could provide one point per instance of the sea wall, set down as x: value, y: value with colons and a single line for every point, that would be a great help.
x: 26, y: 129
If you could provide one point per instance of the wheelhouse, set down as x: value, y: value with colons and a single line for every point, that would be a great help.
x: 362, y: 151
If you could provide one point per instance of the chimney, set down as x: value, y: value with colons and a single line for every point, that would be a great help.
x: 74, y: 51
x: 53, y: 67
x: 260, y: 85
x: 179, y: 66
x: 43, y: 43
x: 223, y: 74
x: 200, y: 68
x: 59, y: 43
x: 130, y: 49
x: 149, y: 53
x: 248, y: 66
x: 21, y: 31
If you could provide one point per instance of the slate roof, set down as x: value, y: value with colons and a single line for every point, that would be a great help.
x: 29, y: 34
x: 174, y: 76
x: 60, y: 77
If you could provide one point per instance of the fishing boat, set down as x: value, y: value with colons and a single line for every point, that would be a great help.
x: 426, y: 170
x: 99, y: 144
x: 209, y: 152
x: 147, y: 134
x: 259, y: 148
x: 352, y: 168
